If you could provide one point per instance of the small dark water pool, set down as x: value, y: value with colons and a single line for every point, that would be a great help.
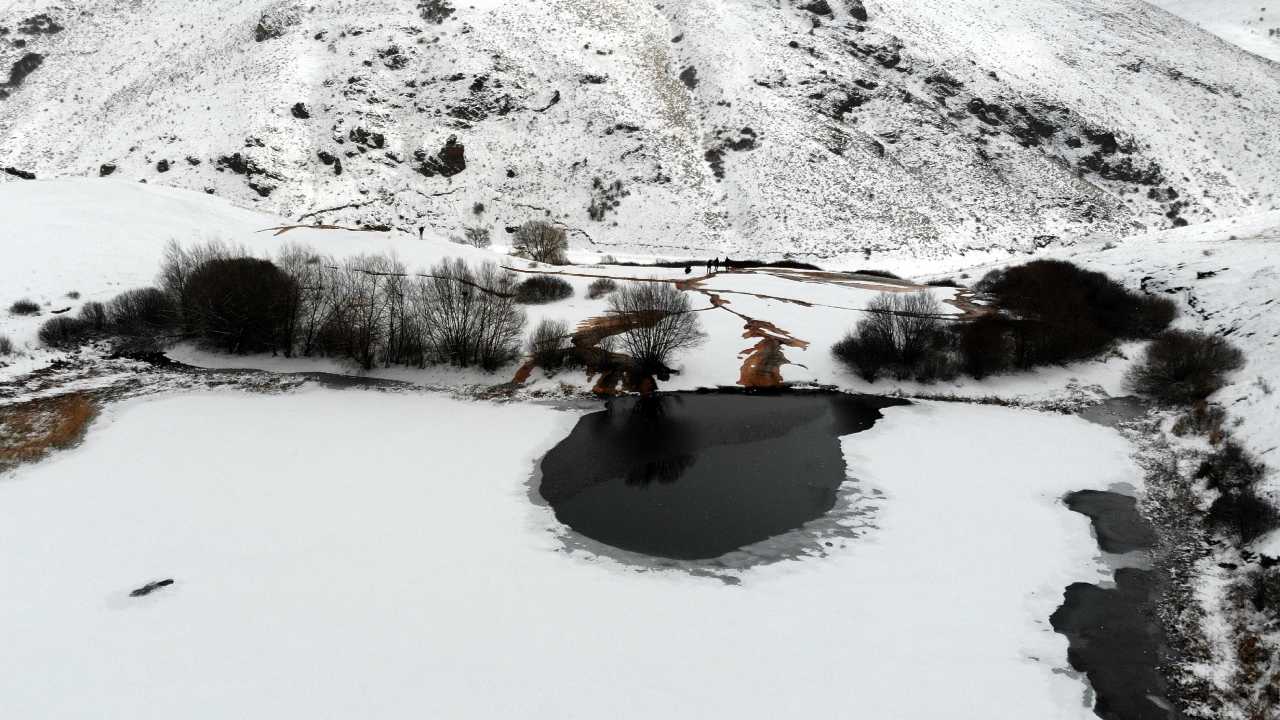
x: 1113, y: 632
x: 696, y: 475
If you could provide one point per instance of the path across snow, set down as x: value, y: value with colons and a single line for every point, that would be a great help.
x: 365, y: 554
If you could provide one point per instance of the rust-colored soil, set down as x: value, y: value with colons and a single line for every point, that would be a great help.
x: 762, y: 362
x: 282, y: 229
x: 31, y: 429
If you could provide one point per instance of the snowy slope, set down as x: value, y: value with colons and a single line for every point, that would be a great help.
x: 1252, y: 24
x: 308, y: 586
x: 740, y: 126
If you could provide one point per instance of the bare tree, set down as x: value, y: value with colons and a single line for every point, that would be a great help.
x: 548, y: 344
x: 542, y: 241
x: 659, y: 322
x: 467, y: 316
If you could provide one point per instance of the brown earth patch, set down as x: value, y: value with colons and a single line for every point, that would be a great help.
x: 32, y: 429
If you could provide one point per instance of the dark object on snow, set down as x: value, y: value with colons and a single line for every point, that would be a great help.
x: 299, y: 110
x: 106, y: 169
x: 162, y: 166
x: 151, y: 587
x: 856, y: 9
x: 23, y: 67
x: 818, y: 7
x: 451, y: 160
x: 20, y: 173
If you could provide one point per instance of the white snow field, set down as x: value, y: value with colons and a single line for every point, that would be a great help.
x: 1251, y: 24
x: 342, y: 554
x: 100, y: 237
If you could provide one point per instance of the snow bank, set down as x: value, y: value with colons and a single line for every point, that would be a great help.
x: 355, y: 554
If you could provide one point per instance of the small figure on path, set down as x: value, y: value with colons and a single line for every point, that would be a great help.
x: 688, y: 269
x: 421, y: 229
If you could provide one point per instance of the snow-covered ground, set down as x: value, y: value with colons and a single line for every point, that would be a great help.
x: 340, y: 554
x: 1252, y: 24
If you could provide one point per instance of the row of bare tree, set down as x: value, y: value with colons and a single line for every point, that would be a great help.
x: 368, y: 308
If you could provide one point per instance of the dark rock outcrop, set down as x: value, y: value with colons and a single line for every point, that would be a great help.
x: 299, y: 110
x: 450, y: 161
x: 106, y: 169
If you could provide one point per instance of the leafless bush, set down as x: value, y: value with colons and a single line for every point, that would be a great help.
x: 660, y: 322
x: 1230, y: 467
x: 1243, y: 514
x: 467, y: 317
x: 6, y: 346
x: 144, y: 311
x: 95, y: 315
x: 902, y: 334
x: 476, y: 236
x: 548, y: 344
x: 1181, y: 367
x: 25, y: 306
x: 179, y: 262
x: 601, y: 287
x: 241, y: 304
x: 542, y: 242
x: 541, y: 289
x: 317, y: 302
x: 64, y: 332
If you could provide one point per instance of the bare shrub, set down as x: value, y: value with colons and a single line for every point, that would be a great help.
x: 6, y: 346
x: 317, y: 301
x: 1242, y: 514
x: 476, y: 236
x: 435, y: 11
x: 95, y: 315
x: 144, y: 311
x: 467, y: 317
x: 549, y: 344
x: 902, y: 333
x: 542, y: 242
x: 1181, y: 367
x: 73, y: 295
x: 1231, y: 467
x: 1059, y: 312
x: 359, y: 326
x: 242, y: 305
x: 660, y: 322
x: 25, y: 306
x: 64, y: 332
x: 985, y: 346
x: 601, y: 287
x: 541, y: 289
x: 178, y: 263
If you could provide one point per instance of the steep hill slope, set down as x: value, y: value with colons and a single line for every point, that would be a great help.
x: 1252, y: 24
x: 743, y: 126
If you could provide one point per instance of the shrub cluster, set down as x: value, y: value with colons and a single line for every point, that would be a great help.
x: 142, y: 312
x: 541, y: 289
x: 659, y: 321
x: 25, y: 306
x: 1239, y: 510
x: 548, y: 346
x: 6, y: 346
x: 601, y: 287
x: 1055, y: 312
x: 542, y: 242
x: 1046, y: 312
x: 902, y: 335
x: 1182, y: 367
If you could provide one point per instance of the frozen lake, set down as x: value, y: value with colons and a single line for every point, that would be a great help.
x: 357, y: 553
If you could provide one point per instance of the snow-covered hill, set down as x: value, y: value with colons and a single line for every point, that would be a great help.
x: 743, y: 126
x: 1252, y: 24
